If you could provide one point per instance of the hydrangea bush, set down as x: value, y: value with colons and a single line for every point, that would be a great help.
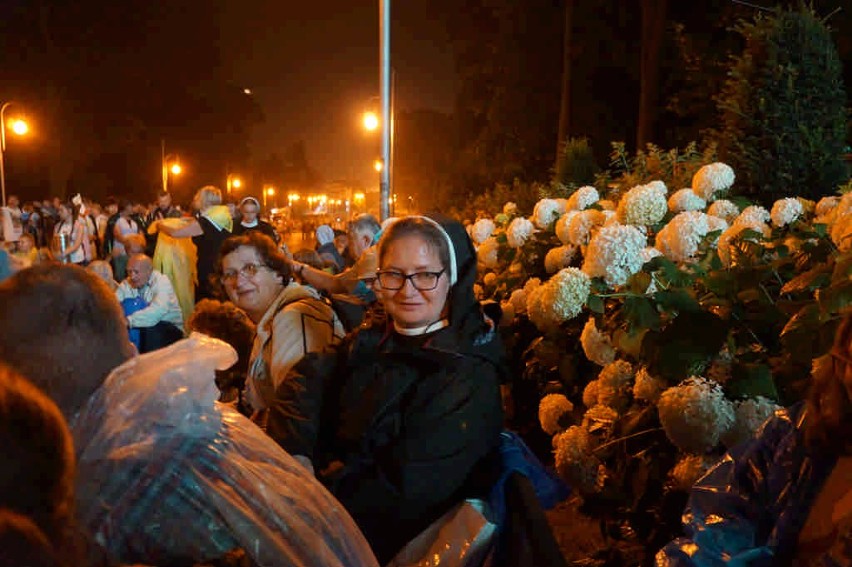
x: 651, y: 332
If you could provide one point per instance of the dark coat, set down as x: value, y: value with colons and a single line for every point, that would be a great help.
x: 410, y: 421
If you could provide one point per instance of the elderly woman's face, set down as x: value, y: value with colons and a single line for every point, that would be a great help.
x: 249, y: 211
x: 408, y: 306
x: 250, y: 284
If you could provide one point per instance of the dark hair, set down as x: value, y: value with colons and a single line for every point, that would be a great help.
x: 124, y: 203
x: 62, y: 328
x: 265, y: 247
x: 829, y: 408
x: 37, y: 471
x: 224, y: 321
x: 309, y: 257
x: 416, y: 226
x: 23, y: 543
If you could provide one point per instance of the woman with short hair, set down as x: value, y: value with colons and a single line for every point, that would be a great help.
x: 401, y: 418
x: 208, y: 230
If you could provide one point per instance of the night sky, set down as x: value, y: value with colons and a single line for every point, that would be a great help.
x: 313, y: 68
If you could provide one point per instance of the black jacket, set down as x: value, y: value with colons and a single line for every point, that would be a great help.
x: 412, y: 420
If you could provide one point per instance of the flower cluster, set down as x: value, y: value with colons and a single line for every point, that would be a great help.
x: 695, y: 414
x: 686, y: 200
x: 786, y: 211
x: 575, y: 460
x: 562, y: 225
x: 551, y: 410
x: 679, y: 240
x: 648, y: 388
x: 559, y: 257
x: 582, y: 225
x: 560, y: 299
x: 481, y: 230
x: 724, y: 210
x: 546, y: 212
x: 520, y: 229
x: 582, y: 198
x: 749, y: 415
x: 615, y: 253
x: 487, y: 253
x: 597, y: 346
x: 688, y: 470
x: 643, y: 205
x: 712, y: 179
x: 615, y: 384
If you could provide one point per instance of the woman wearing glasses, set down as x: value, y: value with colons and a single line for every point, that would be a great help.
x: 400, y: 420
x: 291, y: 319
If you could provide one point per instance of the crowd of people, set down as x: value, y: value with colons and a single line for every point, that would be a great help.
x: 180, y: 389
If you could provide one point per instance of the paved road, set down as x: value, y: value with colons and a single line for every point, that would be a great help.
x: 295, y: 242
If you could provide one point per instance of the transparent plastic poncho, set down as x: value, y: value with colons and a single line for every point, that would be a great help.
x: 166, y: 475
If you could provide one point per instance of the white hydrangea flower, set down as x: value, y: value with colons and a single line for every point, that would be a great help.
x: 754, y: 215
x: 481, y: 230
x: 724, y: 209
x: 686, y: 200
x: 597, y: 346
x: 614, y: 253
x: 712, y: 179
x: 546, y: 211
x: 510, y: 208
x: 562, y: 225
x: 518, y: 300
x: 531, y: 284
x: 786, y: 211
x: 486, y: 253
x: 749, y: 416
x: 558, y: 258
x: 490, y: 279
x: 826, y: 205
x: 582, y: 225
x: 723, y: 247
x: 695, y: 414
x: 550, y: 409
x: 612, y: 220
x: 574, y: 459
x: 688, y: 470
x: 649, y: 253
x: 643, y: 205
x: 560, y: 299
x: 590, y: 394
x: 598, y: 416
x: 680, y: 238
x: 520, y: 229
x: 647, y: 387
x: 562, y: 205
x: 615, y: 385
x: 583, y: 198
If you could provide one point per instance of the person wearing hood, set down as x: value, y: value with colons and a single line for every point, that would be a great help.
x: 327, y: 249
x: 250, y: 221
x: 402, y: 418
x: 291, y: 319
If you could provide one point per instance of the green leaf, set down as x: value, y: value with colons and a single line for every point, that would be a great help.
x: 639, y: 282
x: 629, y: 343
x: 640, y: 313
x: 749, y: 381
x: 688, y: 341
x: 836, y: 297
x: 812, y: 279
x: 799, y: 332
x: 595, y: 303
x: 679, y: 300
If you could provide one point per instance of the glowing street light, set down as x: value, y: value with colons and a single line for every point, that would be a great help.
x: 371, y: 121
x: 378, y: 165
x: 20, y: 128
x: 176, y: 169
x: 268, y: 192
x: 232, y: 182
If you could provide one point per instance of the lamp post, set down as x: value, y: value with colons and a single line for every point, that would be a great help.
x: 174, y: 168
x: 233, y: 182
x: 20, y: 128
x: 385, y: 88
x: 268, y: 192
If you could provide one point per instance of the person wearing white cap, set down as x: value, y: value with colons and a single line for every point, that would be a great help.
x: 249, y: 213
x: 401, y: 417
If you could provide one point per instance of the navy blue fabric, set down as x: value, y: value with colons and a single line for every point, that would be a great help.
x: 130, y: 306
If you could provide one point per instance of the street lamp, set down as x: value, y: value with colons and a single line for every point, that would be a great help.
x: 233, y: 182
x: 378, y: 165
x: 165, y: 160
x: 371, y: 121
x: 268, y: 192
x: 20, y: 128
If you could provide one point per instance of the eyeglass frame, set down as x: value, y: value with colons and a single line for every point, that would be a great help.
x: 248, y: 271
x: 409, y: 278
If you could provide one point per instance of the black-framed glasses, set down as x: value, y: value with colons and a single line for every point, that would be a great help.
x: 422, y: 281
x: 247, y: 271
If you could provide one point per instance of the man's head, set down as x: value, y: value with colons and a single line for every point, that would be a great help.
x: 164, y: 201
x: 63, y: 329
x: 13, y: 201
x: 139, y: 268
x: 362, y: 230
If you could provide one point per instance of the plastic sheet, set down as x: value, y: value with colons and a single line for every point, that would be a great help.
x: 166, y: 475
x: 460, y: 538
x: 750, y: 507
